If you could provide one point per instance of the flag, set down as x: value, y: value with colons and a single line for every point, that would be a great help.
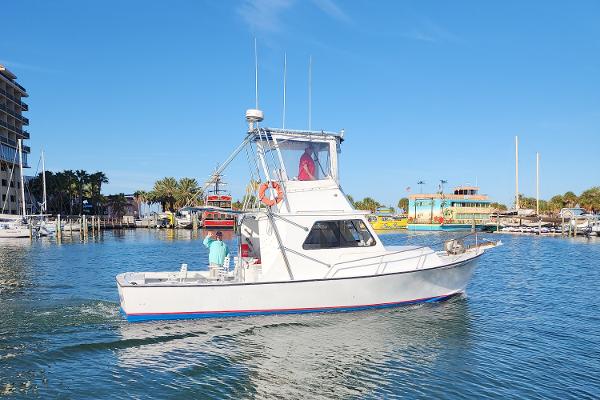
x: 408, y: 188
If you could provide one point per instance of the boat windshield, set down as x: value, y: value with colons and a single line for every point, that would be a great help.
x: 304, y: 160
x: 338, y: 234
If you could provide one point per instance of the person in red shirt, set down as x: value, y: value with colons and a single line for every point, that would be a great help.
x: 307, y: 166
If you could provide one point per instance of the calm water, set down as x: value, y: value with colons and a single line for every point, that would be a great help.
x: 528, y: 328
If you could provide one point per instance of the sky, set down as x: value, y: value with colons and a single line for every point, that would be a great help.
x: 425, y: 90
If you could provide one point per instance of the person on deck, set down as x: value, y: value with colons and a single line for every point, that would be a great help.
x: 307, y: 166
x: 217, y: 251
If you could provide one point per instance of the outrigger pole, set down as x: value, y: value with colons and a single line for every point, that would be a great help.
x: 222, y: 167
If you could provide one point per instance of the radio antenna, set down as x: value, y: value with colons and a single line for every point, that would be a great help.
x: 256, y: 72
x: 309, y: 92
x: 284, y: 85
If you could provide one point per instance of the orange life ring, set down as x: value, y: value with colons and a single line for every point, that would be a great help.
x: 266, y: 200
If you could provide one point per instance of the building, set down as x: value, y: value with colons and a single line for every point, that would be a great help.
x: 439, y: 211
x: 12, y: 122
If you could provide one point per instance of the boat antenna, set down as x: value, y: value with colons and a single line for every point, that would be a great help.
x: 256, y: 72
x: 284, y: 85
x: 309, y: 92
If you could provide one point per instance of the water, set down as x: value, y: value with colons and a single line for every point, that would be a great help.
x: 528, y: 328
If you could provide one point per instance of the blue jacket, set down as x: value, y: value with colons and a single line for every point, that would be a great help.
x: 217, y: 250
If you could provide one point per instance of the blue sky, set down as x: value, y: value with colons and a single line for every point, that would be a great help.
x: 424, y: 90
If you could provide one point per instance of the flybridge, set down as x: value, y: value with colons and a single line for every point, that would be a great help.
x: 266, y: 133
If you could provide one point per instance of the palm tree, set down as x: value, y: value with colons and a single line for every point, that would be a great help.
x: 556, y: 203
x: 403, y: 204
x: 188, y: 192
x: 82, y: 179
x: 95, y: 181
x: 570, y: 199
x: 117, y: 204
x: 165, y: 192
x: 590, y: 199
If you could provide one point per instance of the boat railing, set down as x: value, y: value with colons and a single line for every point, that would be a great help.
x: 421, y: 256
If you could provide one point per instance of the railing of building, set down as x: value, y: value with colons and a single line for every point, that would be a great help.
x: 16, y: 130
x: 14, y: 114
x: 12, y: 98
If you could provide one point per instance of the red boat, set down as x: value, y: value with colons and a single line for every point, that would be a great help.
x: 218, y: 219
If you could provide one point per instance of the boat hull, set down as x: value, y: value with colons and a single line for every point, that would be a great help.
x: 139, y: 303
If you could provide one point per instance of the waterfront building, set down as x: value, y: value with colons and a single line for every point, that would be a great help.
x: 12, y: 123
x: 448, y: 211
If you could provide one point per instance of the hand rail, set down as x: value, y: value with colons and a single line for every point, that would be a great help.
x: 398, y: 252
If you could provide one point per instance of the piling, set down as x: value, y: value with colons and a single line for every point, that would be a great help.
x: 195, y: 222
x: 58, y: 228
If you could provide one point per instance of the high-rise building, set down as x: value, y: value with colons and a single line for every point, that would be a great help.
x: 12, y: 122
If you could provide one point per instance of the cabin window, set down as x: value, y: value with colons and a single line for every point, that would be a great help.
x: 338, y: 234
x: 297, y: 167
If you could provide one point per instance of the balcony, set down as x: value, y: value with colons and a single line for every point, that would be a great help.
x: 18, y: 131
x: 12, y: 98
x: 14, y: 114
x: 9, y: 154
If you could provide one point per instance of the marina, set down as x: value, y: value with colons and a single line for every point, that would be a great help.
x: 75, y: 342
x: 412, y: 216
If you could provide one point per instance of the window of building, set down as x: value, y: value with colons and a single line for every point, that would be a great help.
x: 2, y: 167
x: 12, y: 184
x: 338, y: 234
x: 4, y: 182
x: 3, y: 198
x: 12, y: 198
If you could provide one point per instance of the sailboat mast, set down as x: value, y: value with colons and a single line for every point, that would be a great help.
x: 44, y: 204
x: 537, y: 183
x: 20, y: 142
x: 517, y: 172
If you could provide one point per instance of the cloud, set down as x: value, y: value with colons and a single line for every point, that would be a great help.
x: 264, y: 15
x: 267, y: 15
x: 429, y: 31
x: 333, y: 10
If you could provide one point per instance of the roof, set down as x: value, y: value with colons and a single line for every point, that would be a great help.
x: 6, y: 72
x: 299, y: 134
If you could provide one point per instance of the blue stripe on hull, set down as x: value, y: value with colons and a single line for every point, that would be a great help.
x: 224, y: 314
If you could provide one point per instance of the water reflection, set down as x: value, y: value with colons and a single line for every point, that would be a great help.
x: 281, y: 356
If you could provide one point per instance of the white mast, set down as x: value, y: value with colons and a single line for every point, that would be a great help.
x: 256, y: 72
x: 517, y: 172
x: 309, y: 92
x: 537, y: 183
x: 44, y: 204
x: 21, y: 173
x: 284, y: 86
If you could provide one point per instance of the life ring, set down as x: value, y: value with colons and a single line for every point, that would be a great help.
x: 267, y: 200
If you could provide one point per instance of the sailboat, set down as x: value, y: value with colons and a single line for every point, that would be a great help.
x: 15, y: 226
x: 306, y: 249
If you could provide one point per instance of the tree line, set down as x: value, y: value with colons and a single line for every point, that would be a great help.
x: 588, y: 199
x: 67, y: 191
x: 172, y: 194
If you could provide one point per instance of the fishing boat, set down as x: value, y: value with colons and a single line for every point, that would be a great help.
x: 218, y: 203
x: 305, y: 249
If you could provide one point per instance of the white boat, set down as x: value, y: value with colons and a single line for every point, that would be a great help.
x: 310, y: 251
x: 13, y: 226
